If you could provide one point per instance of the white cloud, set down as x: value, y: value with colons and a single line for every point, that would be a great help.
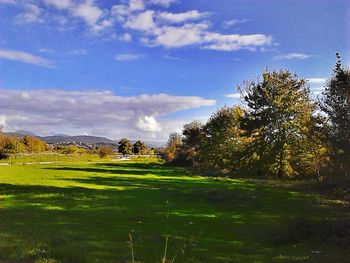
x: 188, y: 34
x: 233, y: 95
x: 165, y: 3
x: 143, y: 21
x: 316, y: 85
x: 291, y: 56
x: 2, y: 122
x: 155, y: 27
x: 88, y: 12
x: 94, y: 112
x: 25, y: 58
x: 181, y: 17
x: 120, y: 11
x: 126, y: 37
x: 316, y: 81
x: 235, y: 42
x: 316, y: 90
x: 60, y: 4
x: 198, y: 34
x: 148, y: 124
x: 128, y: 57
x: 136, y: 5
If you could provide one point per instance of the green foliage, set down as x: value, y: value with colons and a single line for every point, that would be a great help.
x: 336, y: 105
x: 140, y: 148
x: 279, y: 132
x: 104, y: 151
x: 71, y: 149
x: 193, y: 139
x: 172, y: 147
x: 125, y: 147
x: 278, y: 119
x: 223, y: 142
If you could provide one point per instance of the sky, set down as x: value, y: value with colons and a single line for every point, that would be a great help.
x: 142, y: 68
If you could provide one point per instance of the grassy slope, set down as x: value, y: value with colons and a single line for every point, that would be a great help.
x: 83, y: 212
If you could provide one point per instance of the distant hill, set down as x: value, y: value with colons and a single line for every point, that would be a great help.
x: 85, y: 139
x: 21, y: 133
x: 78, y: 139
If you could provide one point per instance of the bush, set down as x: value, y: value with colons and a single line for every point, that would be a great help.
x: 104, y: 151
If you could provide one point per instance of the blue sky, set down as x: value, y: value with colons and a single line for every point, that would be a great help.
x: 141, y: 69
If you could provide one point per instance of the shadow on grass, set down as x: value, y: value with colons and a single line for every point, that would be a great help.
x: 209, y: 220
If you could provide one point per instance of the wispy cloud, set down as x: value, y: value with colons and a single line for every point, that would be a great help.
x: 88, y: 11
x: 10, y: 2
x: 46, y: 50
x: 78, y: 52
x: 233, y: 22
x: 181, y: 17
x: 128, y: 57
x: 291, y: 56
x: 146, y: 21
x: 173, y: 30
x: 25, y: 58
x: 32, y: 14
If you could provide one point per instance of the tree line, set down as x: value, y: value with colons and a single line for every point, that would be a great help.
x: 280, y: 131
x: 12, y: 145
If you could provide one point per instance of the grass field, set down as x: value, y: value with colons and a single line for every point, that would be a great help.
x: 85, y: 211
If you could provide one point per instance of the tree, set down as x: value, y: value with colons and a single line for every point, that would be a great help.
x: 125, y: 146
x: 8, y: 146
x: 223, y: 142
x: 172, y: 146
x: 139, y: 148
x: 33, y: 144
x: 104, y: 151
x: 70, y: 149
x: 193, y: 138
x: 277, y: 120
x: 336, y: 105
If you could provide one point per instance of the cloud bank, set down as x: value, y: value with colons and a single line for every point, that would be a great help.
x: 94, y: 112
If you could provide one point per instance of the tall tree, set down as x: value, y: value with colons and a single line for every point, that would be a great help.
x: 223, y: 140
x: 277, y: 119
x: 193, y: 138
x: 336, y: 105
x: 125, y: 146
x: 172, y: 146
x: 139, y: 147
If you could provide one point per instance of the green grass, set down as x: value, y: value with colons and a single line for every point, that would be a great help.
x: 85, y: 211
x: 52, y: 157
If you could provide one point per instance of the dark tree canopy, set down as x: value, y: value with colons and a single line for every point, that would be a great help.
x: 139, y: 147
x: 336, y: 105
x: 125, y: 146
